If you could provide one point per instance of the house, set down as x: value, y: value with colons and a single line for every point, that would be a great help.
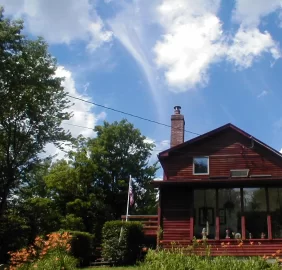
x: 224, y: 186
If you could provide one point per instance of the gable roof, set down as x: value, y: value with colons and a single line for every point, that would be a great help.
x: 214, y: 132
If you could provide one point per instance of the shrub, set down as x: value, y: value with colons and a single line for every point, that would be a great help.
x: 78, y: 244
x: 179, y: 260
x: 121, y: 241
x: 56, y: 243
x: 82, y: 246
x: 55, y: 261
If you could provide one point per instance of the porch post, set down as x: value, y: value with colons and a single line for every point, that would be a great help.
x: 159, y: 216
x: 217, y: 218
x: 243, y: 221
x: 192, y: 216
x: 269, y: 228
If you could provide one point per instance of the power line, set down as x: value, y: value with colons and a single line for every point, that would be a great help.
x: 129, y: 114
x: 154, y: 141
x: 77, y: 126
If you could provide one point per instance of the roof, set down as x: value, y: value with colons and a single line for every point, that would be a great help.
x: 214, y: 132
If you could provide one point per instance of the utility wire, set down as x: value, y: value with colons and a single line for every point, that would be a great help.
x: 77, y: 126
x: 129, y: 114
x: 93, y: 130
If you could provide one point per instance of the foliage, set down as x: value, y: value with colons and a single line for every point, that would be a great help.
x: 178, y: 260
x: 81, y: 246
x: 13, y: 234
x: 56, y: 243
x: 55, y: 261
x: 120, y: 150
x: 33, y: 104
x: 122, y: 241
x: 91, y: 187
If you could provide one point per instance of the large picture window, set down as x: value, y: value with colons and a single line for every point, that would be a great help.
x: 275, y: 205
x: 229, y: 204
x: 201, y: 165
x: 255, y: 212
x: 204, y: 212
x: 225, y: 214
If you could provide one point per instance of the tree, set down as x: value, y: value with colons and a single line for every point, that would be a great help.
x: 120, y: 150
x: 33, y: 105
x: 91, y: 187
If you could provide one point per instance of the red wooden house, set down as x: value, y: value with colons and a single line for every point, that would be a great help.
x: 225, y: 186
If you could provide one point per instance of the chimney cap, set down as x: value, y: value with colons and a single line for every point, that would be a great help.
x: 177, y: 109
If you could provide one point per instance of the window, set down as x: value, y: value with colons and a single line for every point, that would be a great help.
x: 255, y: 211
x: 201, y: 165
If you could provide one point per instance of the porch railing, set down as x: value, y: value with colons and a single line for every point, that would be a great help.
x: 150, y: 223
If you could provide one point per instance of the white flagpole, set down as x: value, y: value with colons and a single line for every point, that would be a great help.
x: 127, y: 207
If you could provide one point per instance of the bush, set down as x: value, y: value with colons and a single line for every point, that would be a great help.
x: 81, y: 246
x: 179, y: 260
x: 56, y: 262
x: 56, y: 245
x: 121, y: 241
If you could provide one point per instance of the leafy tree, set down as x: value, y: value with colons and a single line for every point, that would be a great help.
x: 120, y: 150
x: 32, y: 105
x: 91, y: 187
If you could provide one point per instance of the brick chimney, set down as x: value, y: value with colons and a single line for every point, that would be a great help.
x: 177, y: 127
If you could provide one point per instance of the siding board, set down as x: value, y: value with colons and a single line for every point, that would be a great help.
x: 176, y: 205
x: 228, y: 150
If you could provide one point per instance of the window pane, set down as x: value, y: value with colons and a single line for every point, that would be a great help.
x: 204, y: 213
x: 229, y: 204
x: 275, y: 203
x: 201, y: 165
x: 255, y: 212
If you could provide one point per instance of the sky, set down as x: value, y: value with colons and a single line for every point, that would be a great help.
x: 221, y: 61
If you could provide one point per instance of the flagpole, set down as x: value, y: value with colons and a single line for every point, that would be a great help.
x: 127, y: 207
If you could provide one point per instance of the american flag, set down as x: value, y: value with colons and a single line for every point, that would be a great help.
x: 131, y: 194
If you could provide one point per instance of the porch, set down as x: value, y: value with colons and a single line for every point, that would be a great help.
x: 150, y: 223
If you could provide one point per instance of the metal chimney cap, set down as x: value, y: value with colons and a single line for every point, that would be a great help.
x: 177, y: 109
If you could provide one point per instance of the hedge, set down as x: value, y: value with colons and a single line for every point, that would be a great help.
x: 82, y: 246
x: 121, y: 241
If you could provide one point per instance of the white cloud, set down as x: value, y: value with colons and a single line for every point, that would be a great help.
x: 193, y: 39
x: 60, y: 21
x: 82, y: 111
x: 191, y: 43
x: 262, y: 94
x: 82, y: 114
x: 250, y: 13
x: 281, y: 150
x: 159, y: 147
x: 249, y: 44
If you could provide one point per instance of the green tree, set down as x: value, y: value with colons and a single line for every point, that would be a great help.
x: 91, y: 187
x: 33, y: 105
x: 118, y: 151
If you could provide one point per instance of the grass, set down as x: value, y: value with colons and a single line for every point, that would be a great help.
x: 112, y: 268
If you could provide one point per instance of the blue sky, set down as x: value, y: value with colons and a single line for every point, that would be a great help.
x: 220, y: 60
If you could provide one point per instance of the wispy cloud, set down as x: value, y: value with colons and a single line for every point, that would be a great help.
x: 130, y: 29
x: 262, y: 94
x: 191, y: 39
x: 230, y: 117
x: 278, y: 124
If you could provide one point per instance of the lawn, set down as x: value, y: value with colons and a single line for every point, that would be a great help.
x: 112, y: 268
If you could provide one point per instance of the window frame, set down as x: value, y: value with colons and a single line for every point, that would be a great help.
x: 208, y: 171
